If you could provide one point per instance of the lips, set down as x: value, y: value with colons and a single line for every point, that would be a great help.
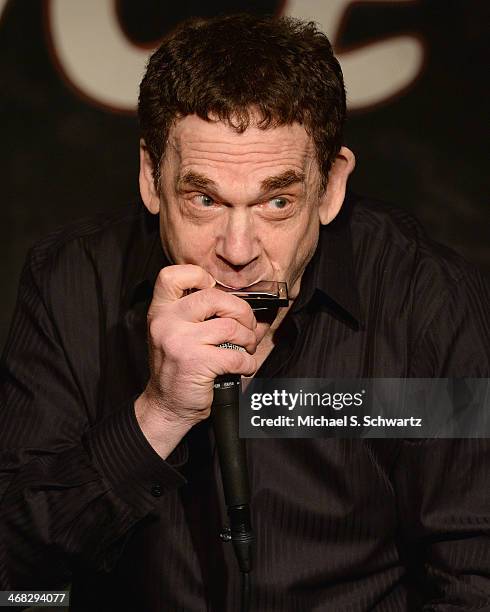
x: 239, y: 286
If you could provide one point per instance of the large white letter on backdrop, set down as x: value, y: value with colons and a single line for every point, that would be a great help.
x: 377, y: 70
x: 95, y: 55
x: 100, y: 62
x: 2, y: 7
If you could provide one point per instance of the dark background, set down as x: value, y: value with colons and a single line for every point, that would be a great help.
x: 64, y: 157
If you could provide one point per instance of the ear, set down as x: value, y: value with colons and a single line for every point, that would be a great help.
x: 148, y: 192
x: 333, y: 197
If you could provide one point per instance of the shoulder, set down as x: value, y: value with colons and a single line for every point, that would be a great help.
x: 90, y: 262
x: 390, y: 244
x: 95, y: 235
x: 382, y: 230
x: 409, y: 280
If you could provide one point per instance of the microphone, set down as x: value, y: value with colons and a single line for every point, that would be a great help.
x: 233, y: 463
x: 264, y: 297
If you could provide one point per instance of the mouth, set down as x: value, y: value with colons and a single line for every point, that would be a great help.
x: 235, y: 288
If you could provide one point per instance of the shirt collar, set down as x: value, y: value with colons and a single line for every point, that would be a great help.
x: 329, y: 278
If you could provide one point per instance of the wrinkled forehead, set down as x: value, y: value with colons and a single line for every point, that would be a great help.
x: 192, y: 140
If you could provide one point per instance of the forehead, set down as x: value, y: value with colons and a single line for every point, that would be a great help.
x: 194, y: 141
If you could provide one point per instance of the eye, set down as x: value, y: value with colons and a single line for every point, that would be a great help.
x: 278, y: 203
x: 203, y: 200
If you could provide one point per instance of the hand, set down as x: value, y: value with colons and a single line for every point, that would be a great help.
x: 183, y: 352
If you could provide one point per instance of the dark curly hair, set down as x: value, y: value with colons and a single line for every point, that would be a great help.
x: 280, y: 69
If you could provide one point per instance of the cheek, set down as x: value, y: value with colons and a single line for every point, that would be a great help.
x: 293, y: 265
x: 295, y: 247
x: 306, y: 246
x: 185, y: 242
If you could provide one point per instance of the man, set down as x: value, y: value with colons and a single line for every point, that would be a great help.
x: 109, y: 476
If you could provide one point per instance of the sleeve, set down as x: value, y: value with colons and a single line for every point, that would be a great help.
x: 442, y: 484
x: 71, y: 492
x: 444, y: 510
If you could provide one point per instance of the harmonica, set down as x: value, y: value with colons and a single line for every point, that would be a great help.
x: 263, y: 295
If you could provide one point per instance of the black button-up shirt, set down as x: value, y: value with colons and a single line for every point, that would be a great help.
x: 341, y: 524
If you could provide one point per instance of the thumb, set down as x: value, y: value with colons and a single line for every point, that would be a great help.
x: 174, y: 281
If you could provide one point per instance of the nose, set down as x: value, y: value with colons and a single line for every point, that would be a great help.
x: 238, y: 244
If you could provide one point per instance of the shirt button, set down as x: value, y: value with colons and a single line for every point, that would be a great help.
x: 156, y: 490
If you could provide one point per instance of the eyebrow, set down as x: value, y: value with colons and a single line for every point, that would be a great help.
x: 271, y: 183
x: 281, y: 181
x: 194, y: 179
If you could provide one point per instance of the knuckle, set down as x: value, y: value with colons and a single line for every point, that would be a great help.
x: 154, y: 327
x: 206, y: 296
x: 200, y: 299
x: 230, y: 327
x: 238, y: 359
x: 212, y: 296
x: 165, y: 275
x: 252, y: 340
x: 213, y: 293
x: 252, y: 335
x: 244, y: 306
x: 173, y: 344
x: 171, y: 340
x: 250, y: 365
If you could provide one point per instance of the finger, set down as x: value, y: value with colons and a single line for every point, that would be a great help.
x: 208, y: 303
x: 218, y: 331
x: 173, y: 281
x: 229, y: 361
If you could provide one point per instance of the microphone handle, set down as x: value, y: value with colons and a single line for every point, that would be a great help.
x: 231, y: 449
x: 233, y: 465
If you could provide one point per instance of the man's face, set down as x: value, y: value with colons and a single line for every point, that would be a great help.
x: 245, y: 207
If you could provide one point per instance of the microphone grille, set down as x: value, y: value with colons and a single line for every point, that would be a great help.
x: 230, y: 345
